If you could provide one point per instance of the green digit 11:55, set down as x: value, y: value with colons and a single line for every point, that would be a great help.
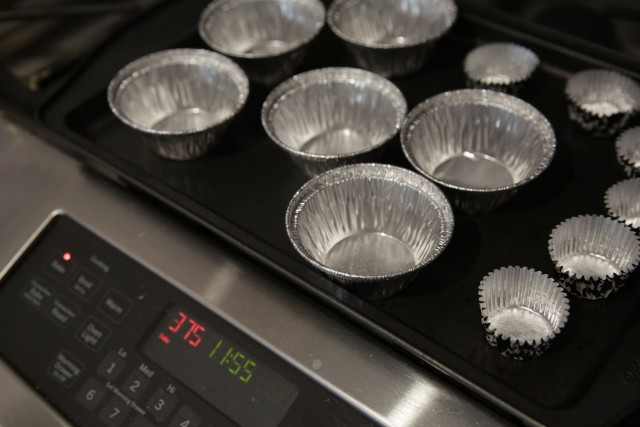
x: 238, y: 364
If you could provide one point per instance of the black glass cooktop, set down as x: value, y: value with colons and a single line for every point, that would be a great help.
x: 240, y: 193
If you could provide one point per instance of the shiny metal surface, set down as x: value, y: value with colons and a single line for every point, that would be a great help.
x: 38, y: 179
x: 333, y: 116
x: 179, y: 100
x: 370, y: 226
x: 493, y: 65
x: 628, y: 151
x: 522, y: 310
x: 623, y: 202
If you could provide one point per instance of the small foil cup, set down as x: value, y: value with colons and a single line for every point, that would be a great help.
x: 269, y: 39
x: 623, y: 202
x: 370, y: 227
x: 331, y: 117
x: 389, y: 37
x: 601, y: 101
x: 180, y: 101
x: 500, y: 66
x: 628, y: 151
x: 481, y: 146
x: 593, y: 255
x: 522, y: 311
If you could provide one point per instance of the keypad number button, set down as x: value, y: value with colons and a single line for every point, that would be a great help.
x: 114, y: 412
x: 91, y: 393
x: 111, y: 366
x: 186, y: 417
x: 135, y: 385
x: 160, y: 405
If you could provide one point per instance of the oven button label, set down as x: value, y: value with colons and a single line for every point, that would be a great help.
x: 115, y: 305
x: 93, y: 334
x: 60, y: 265
x: 63, y: 311
x: 37, y: 293
x: 65, y: 368
x: 85, y: 284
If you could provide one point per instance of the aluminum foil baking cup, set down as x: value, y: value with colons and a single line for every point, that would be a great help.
x: 628, y: 151
x: 500, y: 66
x: 370, y: 227
x: 602, y: 101
x: 179, y: 100
x: 269, y: 39
x: 523, y: 310
x: 390, y: 37
x: 331, y: 117
x: 623, y: 202
x: 479, y: 145
x: 593, y: 255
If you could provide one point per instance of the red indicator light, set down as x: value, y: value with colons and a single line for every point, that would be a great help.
x: 66, y: 256
x: 165, y: 339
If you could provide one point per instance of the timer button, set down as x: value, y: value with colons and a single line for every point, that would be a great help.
x: 60, y: 266
x: 160, y: 405
x: 115, y: 305
x: 111, y: 366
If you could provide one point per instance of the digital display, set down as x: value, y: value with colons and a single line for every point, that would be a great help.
x: 245, y: 389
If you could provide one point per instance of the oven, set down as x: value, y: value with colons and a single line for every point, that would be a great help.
x: 139, y: 291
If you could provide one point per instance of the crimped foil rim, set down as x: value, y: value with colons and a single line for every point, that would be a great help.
x: 485, y: 314
x: 611, y: 192
x: 448, y: 6
x: 162, y: 58
x: 510, y: 47
x: 633, y: 263
x: 322, y: 76
x: 577, y: 78
x: 213, y: 7
x: 359, y: 171
x: 624, y: 141
x: 487, y: 98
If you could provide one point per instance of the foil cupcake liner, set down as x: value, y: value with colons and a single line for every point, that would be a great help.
x: 180, y: 101
x: 522, y: 310
x: 391, y: 38
x: 623, y: 202
x: 332, y: 117
x: 601, y: 101
x: 269, y: 39
x: 480, y: 146
x: 503, y: 67
x: 369, y: 227
x: 593, y: 255
x: 628, y: 151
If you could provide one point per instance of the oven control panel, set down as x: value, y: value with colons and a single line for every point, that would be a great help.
x: 109, y: 343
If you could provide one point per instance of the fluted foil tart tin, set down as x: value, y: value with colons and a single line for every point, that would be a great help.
x: 593, y: 255
x: 500, y: 66
x: 481, y: 146
x: 370, y: 227
x: 180, y: 101
x: 268, y: 38
x: 623, y: 202
x: 628, y: 151
x: 523, y: 310
x: 331, y: 117
x: 602, y: 101
x: 389, y: 37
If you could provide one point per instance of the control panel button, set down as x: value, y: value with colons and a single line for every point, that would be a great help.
x: 135, y: 385
x: 186, y: 417
x: 65, y: 368
x: 160, y: 405
x: 60, y: 265
x: 63, y: 311
x: 111, y: 366
x: 93, y: 334
x: 114, y: 412
x: 91, y: 393
x: 85, y: 284
x: 140, y: 422
x: 37, y: 292
x: 115, y: 305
